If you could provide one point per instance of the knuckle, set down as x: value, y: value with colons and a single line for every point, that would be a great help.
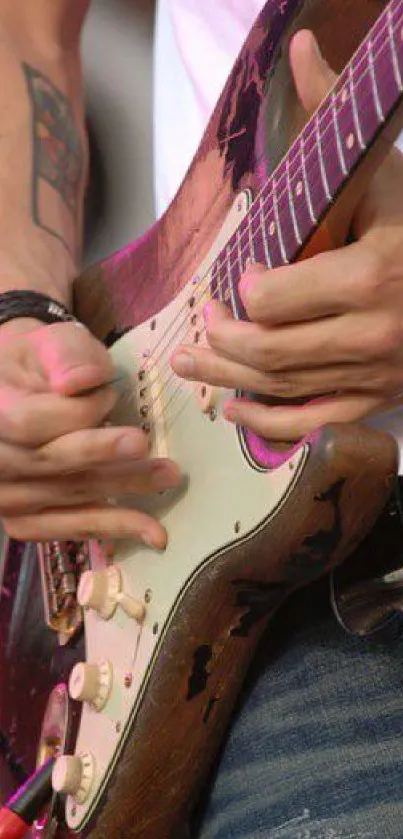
x: 213, y: 335
x: 251, y: 280
x: 264, y: 354
x: 16, y: 424
x: 368, y: 286
x: 283, y: 386
x: 254, y: 300
x: 382, y: 379
x: 385, y: 338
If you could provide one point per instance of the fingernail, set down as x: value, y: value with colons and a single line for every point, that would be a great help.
x: 207, y: 311
x: 229, y: 413
x: 127, y: 446
x: 148, y: 540
x: 183, y: 364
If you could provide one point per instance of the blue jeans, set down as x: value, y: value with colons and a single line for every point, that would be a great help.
x: 315, y: 750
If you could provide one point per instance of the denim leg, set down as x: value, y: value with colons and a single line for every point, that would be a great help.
x: 315, y: 750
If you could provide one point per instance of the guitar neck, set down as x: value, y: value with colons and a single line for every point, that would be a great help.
x: 321, y: 161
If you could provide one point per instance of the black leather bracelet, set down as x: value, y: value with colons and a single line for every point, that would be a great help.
x: 22, y: 303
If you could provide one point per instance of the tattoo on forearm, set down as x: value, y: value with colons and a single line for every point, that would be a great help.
x: 57, y: 159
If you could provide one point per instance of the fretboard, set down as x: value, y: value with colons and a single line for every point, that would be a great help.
x: 294, y: 200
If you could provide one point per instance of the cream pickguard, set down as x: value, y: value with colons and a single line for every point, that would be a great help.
x: 224, y: 500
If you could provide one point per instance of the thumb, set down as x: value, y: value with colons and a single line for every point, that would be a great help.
x: 313, y: 77
x: 72, y: 359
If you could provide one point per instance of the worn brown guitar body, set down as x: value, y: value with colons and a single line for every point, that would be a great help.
x: 204, y: 649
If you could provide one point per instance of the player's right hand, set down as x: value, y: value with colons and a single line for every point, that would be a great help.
x: 58, y: 465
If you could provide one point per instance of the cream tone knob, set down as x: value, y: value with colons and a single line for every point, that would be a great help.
x: 133, y: 607
x: 74, y: 775
x: 91, y: 683
x: 98, y: 589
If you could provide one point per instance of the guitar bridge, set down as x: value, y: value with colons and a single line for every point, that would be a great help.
x: 61, y: 566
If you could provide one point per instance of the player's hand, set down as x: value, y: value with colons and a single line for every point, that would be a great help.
x: 58, y: 466
x: 329, y: 328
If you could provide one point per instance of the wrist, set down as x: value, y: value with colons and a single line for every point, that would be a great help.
x: 33, y: 305
x: 40, y: 280
x: 18, y: 326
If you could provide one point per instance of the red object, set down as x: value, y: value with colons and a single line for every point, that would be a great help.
x: 11, y: 825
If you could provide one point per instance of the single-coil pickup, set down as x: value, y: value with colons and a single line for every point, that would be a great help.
x: 150, y: 400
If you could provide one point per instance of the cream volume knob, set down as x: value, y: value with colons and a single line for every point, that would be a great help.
x: 91, y: 683
x: 133, y: 607
x: 98, y: 589
x: 73, y: 775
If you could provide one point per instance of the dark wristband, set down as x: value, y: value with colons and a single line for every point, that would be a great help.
x: 33, y: 304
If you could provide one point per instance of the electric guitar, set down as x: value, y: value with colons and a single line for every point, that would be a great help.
x: 154, y: 647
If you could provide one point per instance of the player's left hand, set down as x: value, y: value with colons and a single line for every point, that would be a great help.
x: 329, y: 328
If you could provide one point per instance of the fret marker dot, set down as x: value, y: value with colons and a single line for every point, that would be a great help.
x: 298, y: 188
x: 344, y: 96
x: 350, y: 141
x: 272, y: 228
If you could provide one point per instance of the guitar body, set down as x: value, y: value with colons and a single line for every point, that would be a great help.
x: 251, y: 522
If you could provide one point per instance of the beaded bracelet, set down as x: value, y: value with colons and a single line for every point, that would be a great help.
x: 33, y: 304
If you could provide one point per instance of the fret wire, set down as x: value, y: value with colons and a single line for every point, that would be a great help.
x: 305, y: 179
x: 337, y: 135
x: 277, y: 222
x: 344, y: 167
x: 263, y: 227
x: 356, y: 118
x: 362, y: 77
x: 335, y: 98
x: 321, y: 160
x: 251, y: 245
x: 221, y: 268
x: 239, y: 249
x: 214, y: 280
x: 230, y: 288
x: 224, y: 284
x: 291, y: 202
x: 205, y: 279
x: 377, y: 101
x: 304, y: 173
x: 396, y: 68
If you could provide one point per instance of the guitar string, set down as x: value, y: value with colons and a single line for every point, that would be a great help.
x: 172, y: 375
x: 201, y: 331
x: 204, y: 280
x: 159, y: 408
x: 165, y: 381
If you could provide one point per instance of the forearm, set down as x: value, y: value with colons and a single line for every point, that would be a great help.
x: 43, y: 158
